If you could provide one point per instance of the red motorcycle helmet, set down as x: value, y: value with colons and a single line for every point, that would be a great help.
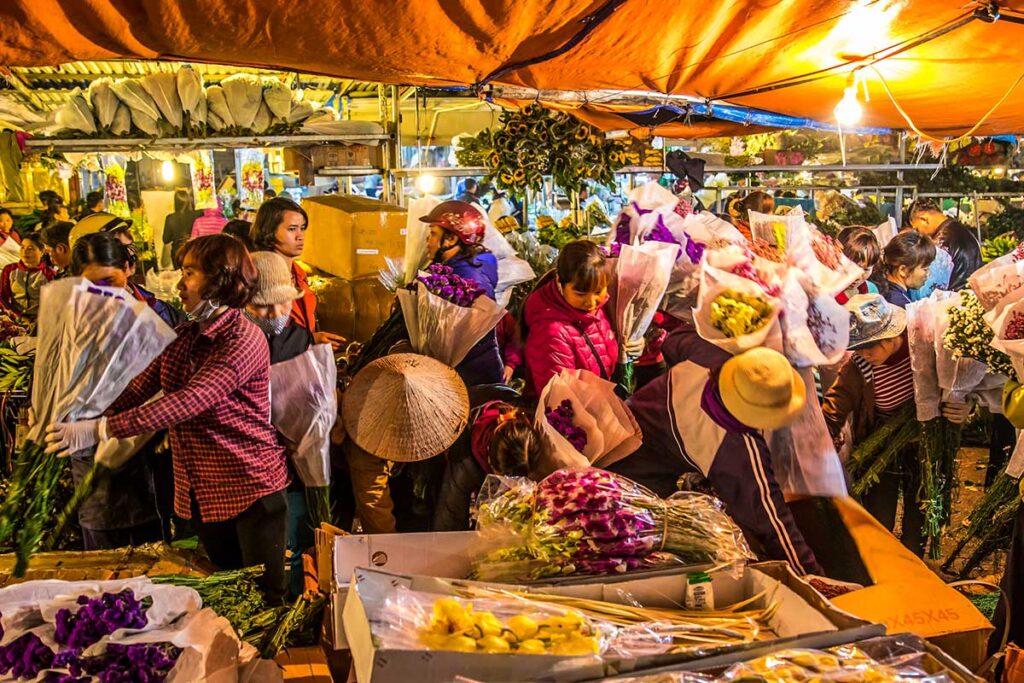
x: 462, y: 219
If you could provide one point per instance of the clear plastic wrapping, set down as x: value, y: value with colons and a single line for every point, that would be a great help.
x: 596, y: 522
x: 443, y: 330
x: 641, y: 277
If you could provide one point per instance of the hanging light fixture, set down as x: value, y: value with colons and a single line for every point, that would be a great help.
x: 167, y: 171
x: 849, y: 111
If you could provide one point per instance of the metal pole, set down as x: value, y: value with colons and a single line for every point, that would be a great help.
x: 396, y: 148
x: 977, y: 216
x: 898, y: 208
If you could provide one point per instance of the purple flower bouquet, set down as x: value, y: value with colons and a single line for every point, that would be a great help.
x: 561, y: 419
x: 595, y: 522
x: 446, y: 315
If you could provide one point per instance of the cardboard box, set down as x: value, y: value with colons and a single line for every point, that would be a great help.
x: 796, y: 621
x: 345, y: 156
x: 353, y: 308
x: 349, y: 237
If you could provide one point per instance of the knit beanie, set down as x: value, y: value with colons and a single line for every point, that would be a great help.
x: 274, y: 284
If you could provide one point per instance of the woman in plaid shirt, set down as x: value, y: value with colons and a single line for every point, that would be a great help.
x: 229, y: 468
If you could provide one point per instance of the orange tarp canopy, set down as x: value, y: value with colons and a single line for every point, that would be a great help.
x: 717, y: 51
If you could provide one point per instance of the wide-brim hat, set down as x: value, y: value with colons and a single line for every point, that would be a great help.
x: 761, y: 389
x: 405, y: 407
x: 873, y: 319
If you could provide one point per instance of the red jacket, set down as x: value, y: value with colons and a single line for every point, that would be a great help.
x: 508, y: 341
x: 303, y: 308
x: 558, y: 335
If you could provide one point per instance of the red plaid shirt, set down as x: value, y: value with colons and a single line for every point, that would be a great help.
x: 216, y: 404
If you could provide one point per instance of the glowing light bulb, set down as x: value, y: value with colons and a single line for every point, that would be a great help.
x: 848, y: 111
x: 426, y: 183
x: 167, y: 171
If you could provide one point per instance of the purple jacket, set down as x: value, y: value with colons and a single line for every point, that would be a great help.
x: 680, y: 437
x: 561, y: 337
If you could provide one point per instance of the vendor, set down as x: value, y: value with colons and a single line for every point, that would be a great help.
x: 270, y: 310
x: 280, y: 226
x: 456, y: 239
x: 7, y: 226
x: 564, y: 325
x: 402, y: 408
x: 22, y: 281
x: 706, y: 416
x: 178, y: 226
x: 501, y: 439
x: 229, y: 468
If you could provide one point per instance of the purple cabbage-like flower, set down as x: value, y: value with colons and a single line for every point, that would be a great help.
x: 694, y: 250
x: 442, y: 281
x: 622, y: 229
x: 661, y: 233
x: 561, y: 419
x: 98, y: 617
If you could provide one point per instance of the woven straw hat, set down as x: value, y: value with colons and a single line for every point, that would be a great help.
x: 405, y: 407
x: 274, y: 281
x: 761, y: 389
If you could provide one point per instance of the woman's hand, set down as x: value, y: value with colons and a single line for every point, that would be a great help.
x: 957, y: 413
x: 635, y: 349
x: 66, y: 438
x: 507, y: 374
x: 335, y: 340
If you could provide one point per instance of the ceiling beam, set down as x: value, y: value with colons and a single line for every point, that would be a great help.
x: 23, y: 89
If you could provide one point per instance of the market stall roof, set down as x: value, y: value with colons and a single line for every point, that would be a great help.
x: 944, y: 67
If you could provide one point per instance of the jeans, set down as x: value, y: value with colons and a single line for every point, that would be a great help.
x: 255, y: 537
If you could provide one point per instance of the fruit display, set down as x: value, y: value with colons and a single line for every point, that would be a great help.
x: 458, y: 626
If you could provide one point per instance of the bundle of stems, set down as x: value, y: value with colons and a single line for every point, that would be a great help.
x: 939, y: 444
x: 27, y: 508
x: 1001, y: 498
x: 730, y: 624
x: 318, y: 505
x: 871, y: 457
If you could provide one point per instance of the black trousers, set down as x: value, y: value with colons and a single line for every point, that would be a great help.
x: 1000, y: 446
x: 101, y: 539
x: 255, y: 537
x: 882, y: 499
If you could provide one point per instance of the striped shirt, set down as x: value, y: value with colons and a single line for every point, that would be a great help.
x: 893, y: 381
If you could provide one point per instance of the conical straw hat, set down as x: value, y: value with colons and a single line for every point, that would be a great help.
x: 405, y: 407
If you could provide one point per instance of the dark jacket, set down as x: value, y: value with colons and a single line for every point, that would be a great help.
x: 895, y: 294
x: 293, y: 341
x: 851, y: 396
x: 963, y: 247
x: 679, y: 437
x: 463, y: 475
x: 482, y: 365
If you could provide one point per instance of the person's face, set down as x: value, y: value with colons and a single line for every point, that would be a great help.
x: 108, y: 275
x: 913, y: 278
x: 588, y: 302
x: 291, y: 234
x: 269, y: 311
x: 192, y: 284
x: 879, y: 352
x: 60, y: 256
x: 31, y: 254
x: 6, y: 223
x: 438, y: 239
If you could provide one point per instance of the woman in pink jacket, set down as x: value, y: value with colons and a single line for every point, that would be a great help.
x: 564, y: 324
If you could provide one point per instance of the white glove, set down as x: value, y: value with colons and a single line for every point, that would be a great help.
x: 635, y: 349
x: 67, y: 438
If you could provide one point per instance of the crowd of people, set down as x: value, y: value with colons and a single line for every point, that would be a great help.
x: 247, y: 305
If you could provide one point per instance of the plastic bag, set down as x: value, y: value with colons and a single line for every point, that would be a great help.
x: 922, y: 331
x: 299, y: 112
x: 939, y: 272
x: 262, y: 122
x: 10, y: 252
x: 414, y: 620
x: 443, y: 330
x: 957, y: 377
x: 612, y: 431
x: 278, y: 98
x: 252, y: 180
x: 512, y: 271
x: 104, y: 102
x: 76, y: 114
x: 122, y: 123
x: 135, y: 97
x: 189, y: 84
x: 243, y: 94
x: 804, y: 457
x: 303, y: 408
x: 416, y: 232
x: 996, y: 279
x: 641, y: 278
x: 92, y: 342
x: 707, y: 228
x: 815, y: 328
x: 715, y: 282
x: 163, y: 88
x: 218, y: 111
x: 884, y: 232
x: 595, y: 522
x: 201, y: 171
x: 146, y: 123
x: 1007, y: 323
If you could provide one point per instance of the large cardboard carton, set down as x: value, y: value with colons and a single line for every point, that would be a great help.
x: 349, y: 237
x: 353, y: 308
x: 800, y: 620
